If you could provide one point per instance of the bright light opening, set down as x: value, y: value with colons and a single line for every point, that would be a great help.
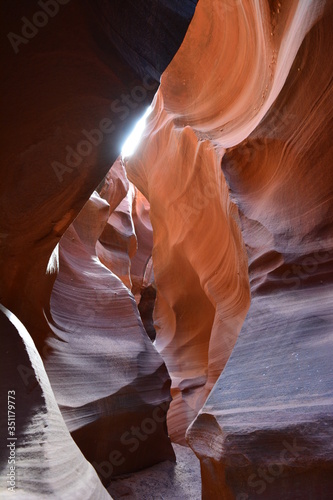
x: 133, y: 139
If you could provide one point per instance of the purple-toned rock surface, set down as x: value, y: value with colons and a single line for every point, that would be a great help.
x: 111, y: 384
x: 39, y: 457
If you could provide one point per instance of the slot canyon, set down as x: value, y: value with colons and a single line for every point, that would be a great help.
x: 167, y: 299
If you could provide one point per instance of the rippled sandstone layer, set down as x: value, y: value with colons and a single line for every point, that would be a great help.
x: 115, y: 404
x: 200, y: 268
x: 236, y: 165
x: 265, y: 103
x: 44, y: 460
x: 71, y: 92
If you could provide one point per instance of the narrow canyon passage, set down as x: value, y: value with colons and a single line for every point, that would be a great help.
x: 166, y: 309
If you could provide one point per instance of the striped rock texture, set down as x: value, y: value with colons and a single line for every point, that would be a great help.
x: 242, y: 139
x: 76, y: 82
x: 118, y: 388
x: 47, y: 463
x: 185, y: 291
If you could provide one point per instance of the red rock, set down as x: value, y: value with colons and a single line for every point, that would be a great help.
x: 269, y: 417
x: 117, y: 243
x: 70, y: 96
x: 202, y: 282
x: 270, y: 130
x: 141, y: 264
x: 249, y: 90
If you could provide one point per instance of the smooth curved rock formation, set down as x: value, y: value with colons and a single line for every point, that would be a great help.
x: 270, y: 414
x: 231, y: 199
x: 202, y: 282
x: 44, y: 462
x: 109, y: 381
x: 142, y: 271
x: 258, y: 122
x: 71, y: 94
x: 117, y: 243
x: 69, y: 99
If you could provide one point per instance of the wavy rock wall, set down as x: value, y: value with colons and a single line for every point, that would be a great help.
x: 47, y: 463
x: 126, y: 243
x: 73, y: 82
x: 141, y: 268
x: 264, y: 101
x: 73, y: 90
x: 118, y: 243
x: 202, y: 282
x: 270, y: 413
x: 117, y: 392
x: 249, y: 90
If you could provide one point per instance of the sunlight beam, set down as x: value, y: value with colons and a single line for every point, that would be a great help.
x: 133, y: 139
